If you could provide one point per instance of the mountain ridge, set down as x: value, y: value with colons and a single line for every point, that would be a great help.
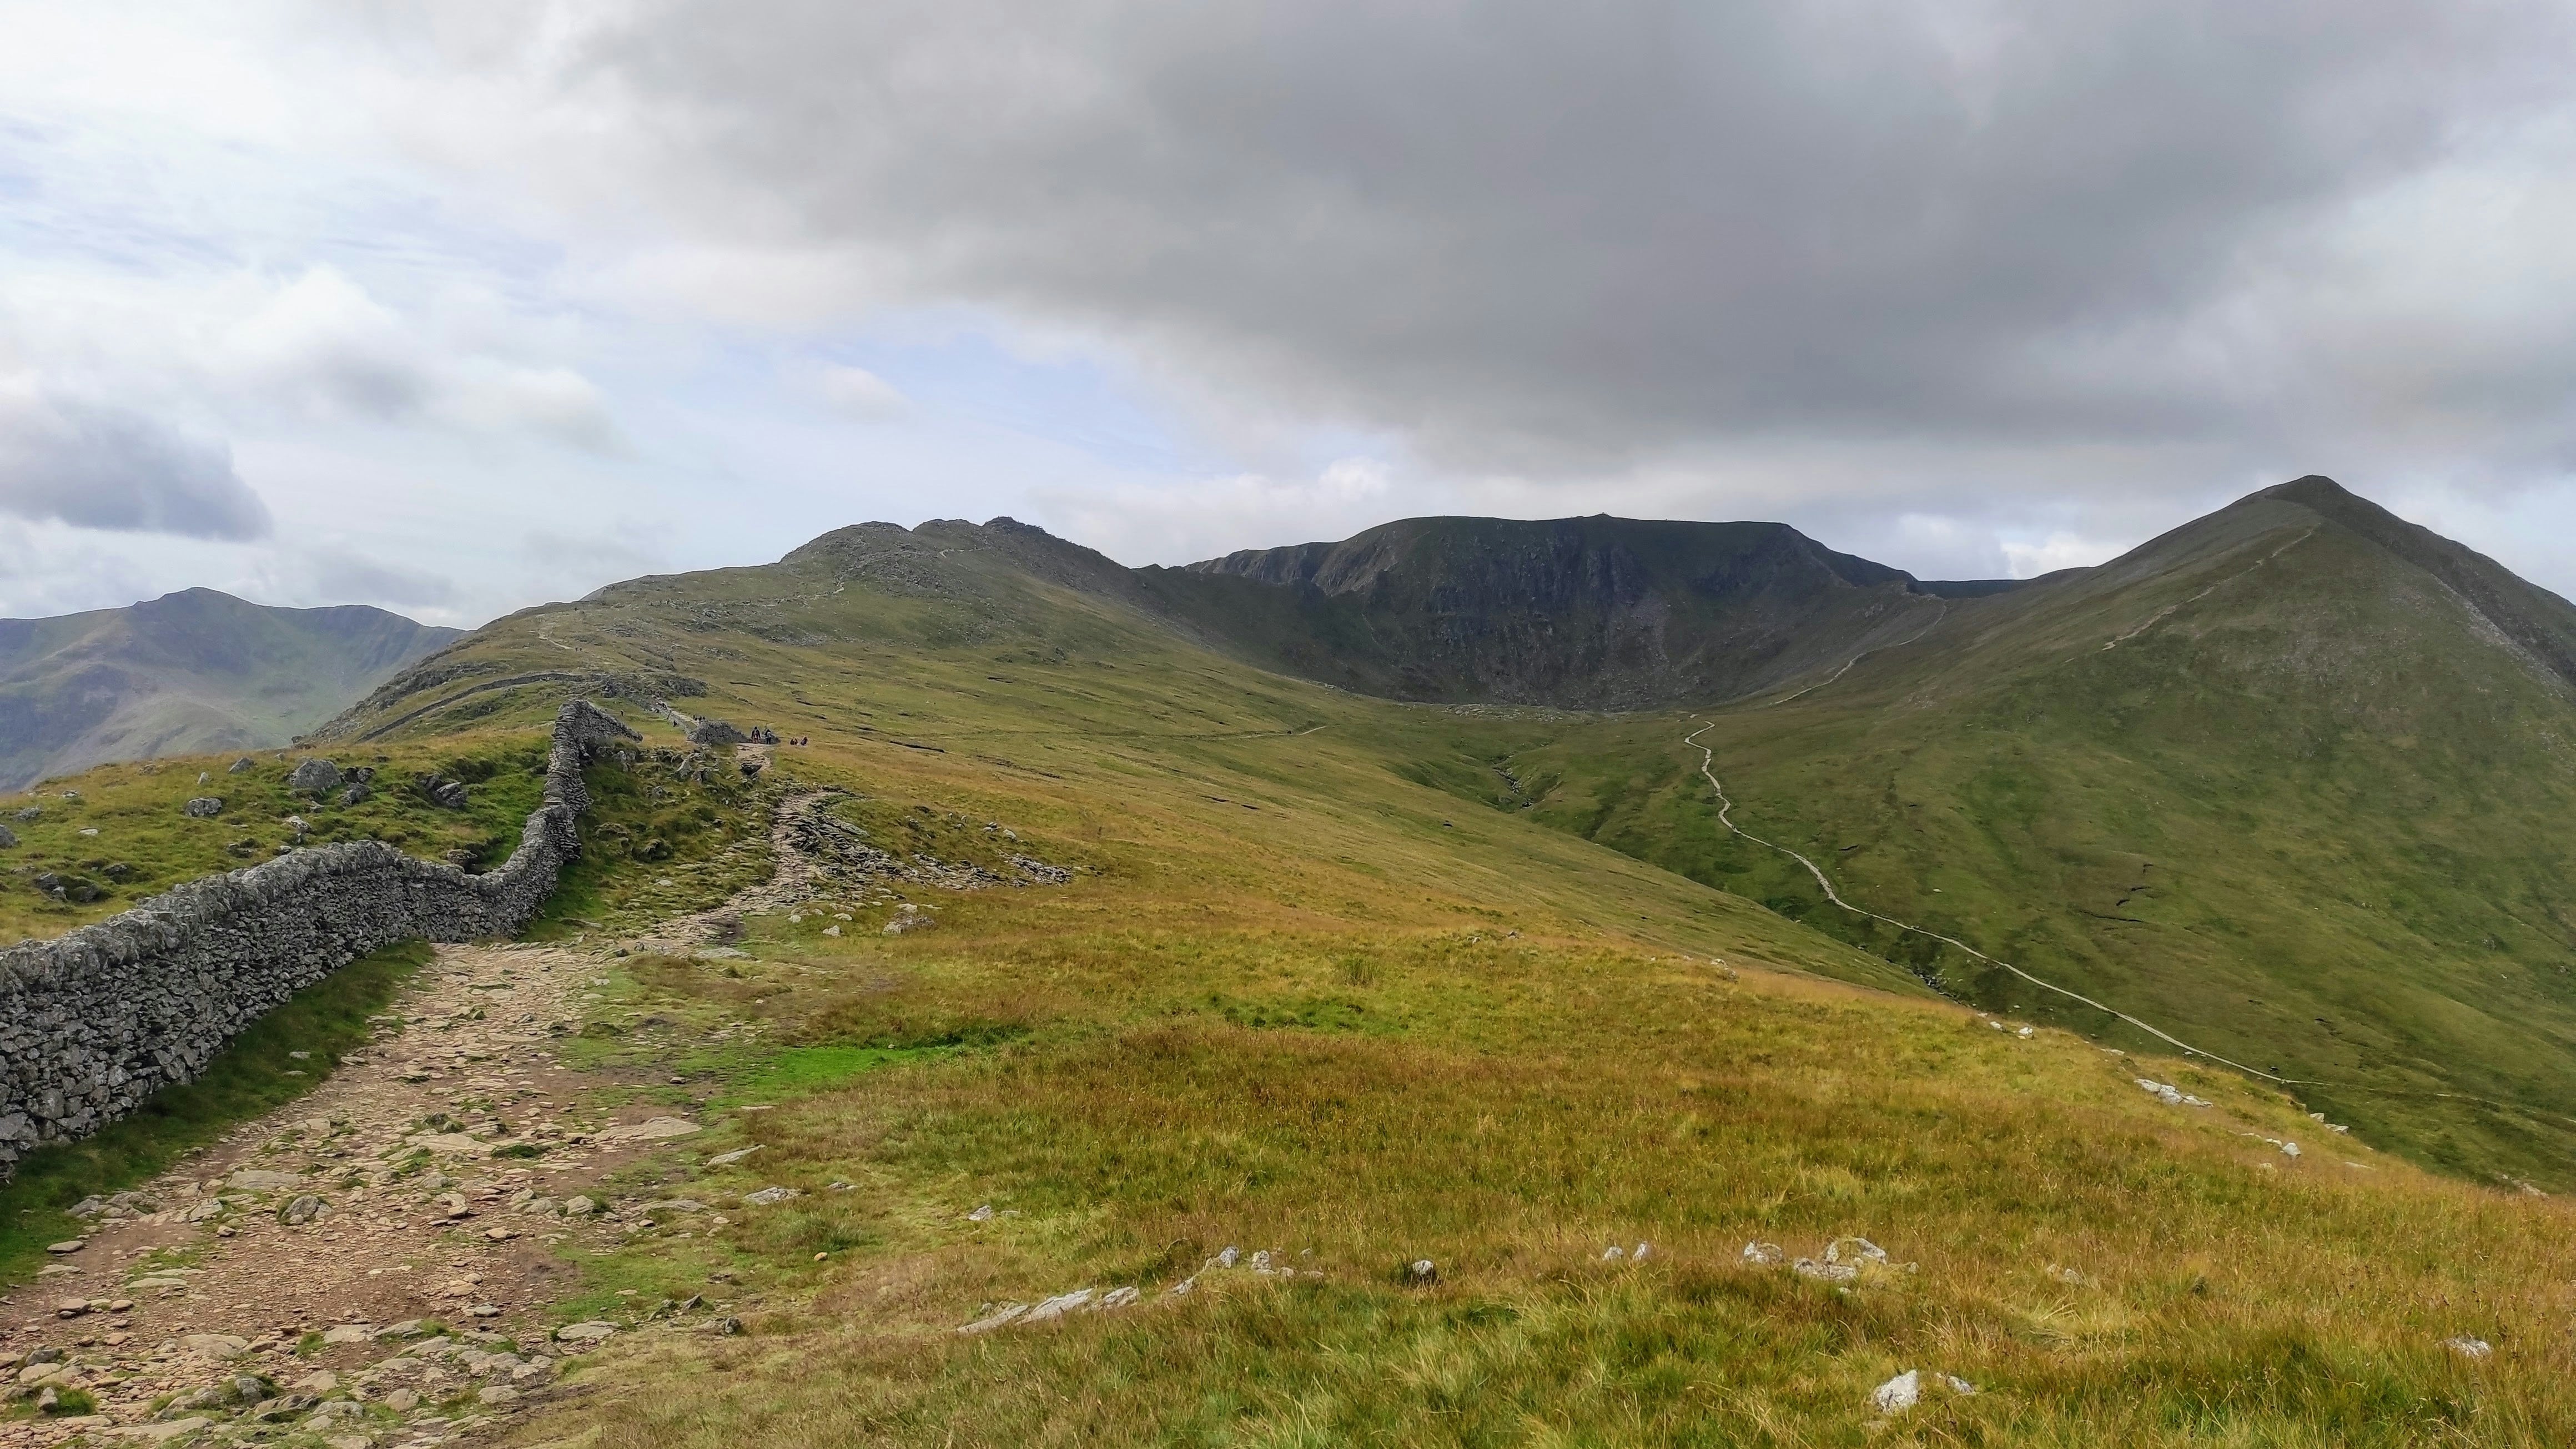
x: 190, y: 671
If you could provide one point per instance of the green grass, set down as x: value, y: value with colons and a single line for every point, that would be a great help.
x: 801, y: 1070
x: 1329, y: 981
x: 253, y: 1075
x: 2263, y: 827
x: 143, y: 844
x: 1534, y: 1099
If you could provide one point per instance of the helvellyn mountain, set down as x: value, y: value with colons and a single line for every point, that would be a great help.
x: 2292, y: 783
x: 188, y: 672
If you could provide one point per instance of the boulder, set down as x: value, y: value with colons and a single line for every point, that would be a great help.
x: 314, y: 776
x: 8, y: 837
x: 714, y: 732
x: 1898, y: 1394
x: 1002, y: 1317
x: 203, y: 807
x: 305, y: 1208
x: 356, y: 793
x: 239, y: 765
x: 1059, y: 1306
x: 654, y: 1130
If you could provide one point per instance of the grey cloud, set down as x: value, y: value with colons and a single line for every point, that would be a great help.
x: 98, y: 466
x: 1536, y: 236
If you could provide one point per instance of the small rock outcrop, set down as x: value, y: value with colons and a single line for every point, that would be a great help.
x: 714, y: 732
x: 314, y: 777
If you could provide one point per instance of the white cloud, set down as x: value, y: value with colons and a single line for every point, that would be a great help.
x: 860, y: 393
x: 1183, y: 522
x: 2057, y: 551
x: 342, y: 577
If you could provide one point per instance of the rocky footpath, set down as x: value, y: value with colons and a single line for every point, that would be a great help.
x: 370, y: 1265
x: 94, y: 1022
x: 376, y: 1264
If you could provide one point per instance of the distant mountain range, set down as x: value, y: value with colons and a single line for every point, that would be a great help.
x: 186, y: 673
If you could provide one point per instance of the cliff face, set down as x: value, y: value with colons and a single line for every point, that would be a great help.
x: 1586, y: 612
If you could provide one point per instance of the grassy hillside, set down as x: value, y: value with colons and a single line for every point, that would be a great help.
x: 1303, y: 994
x: 187, y: 673
x: 1179, y: 1053
x: 115, y: 835
x: 2267, y: 784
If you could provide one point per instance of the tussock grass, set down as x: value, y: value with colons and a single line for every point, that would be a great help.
x: 1537, y: 1103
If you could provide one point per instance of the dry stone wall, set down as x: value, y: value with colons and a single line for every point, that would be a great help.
x: 95, y: 1021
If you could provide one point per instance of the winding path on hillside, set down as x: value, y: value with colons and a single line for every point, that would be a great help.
x: 1725, y: 807
x: 1943, y: 613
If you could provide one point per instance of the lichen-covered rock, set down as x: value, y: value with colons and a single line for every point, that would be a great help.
x: 715, y: 732
x: 94, y: 1022
x: 314, y: 776
x: 8, y: 837
x: 356, y: 792
x: 203, y: 807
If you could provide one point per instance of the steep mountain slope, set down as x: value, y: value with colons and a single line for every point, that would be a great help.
x: 191, y: 671
x: 2293, y: 782
x: 1594, y: 612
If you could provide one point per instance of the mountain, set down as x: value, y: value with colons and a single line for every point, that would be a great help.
x: 1598, y: 612
x: 2291, y: 783
x: 191, y: 671
x: 1125, y: 952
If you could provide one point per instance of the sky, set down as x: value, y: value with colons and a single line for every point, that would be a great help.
x: 460, y: 307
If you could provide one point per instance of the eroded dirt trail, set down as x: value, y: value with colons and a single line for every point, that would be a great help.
x: 374, y: 1265
x: 302, y: 1224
